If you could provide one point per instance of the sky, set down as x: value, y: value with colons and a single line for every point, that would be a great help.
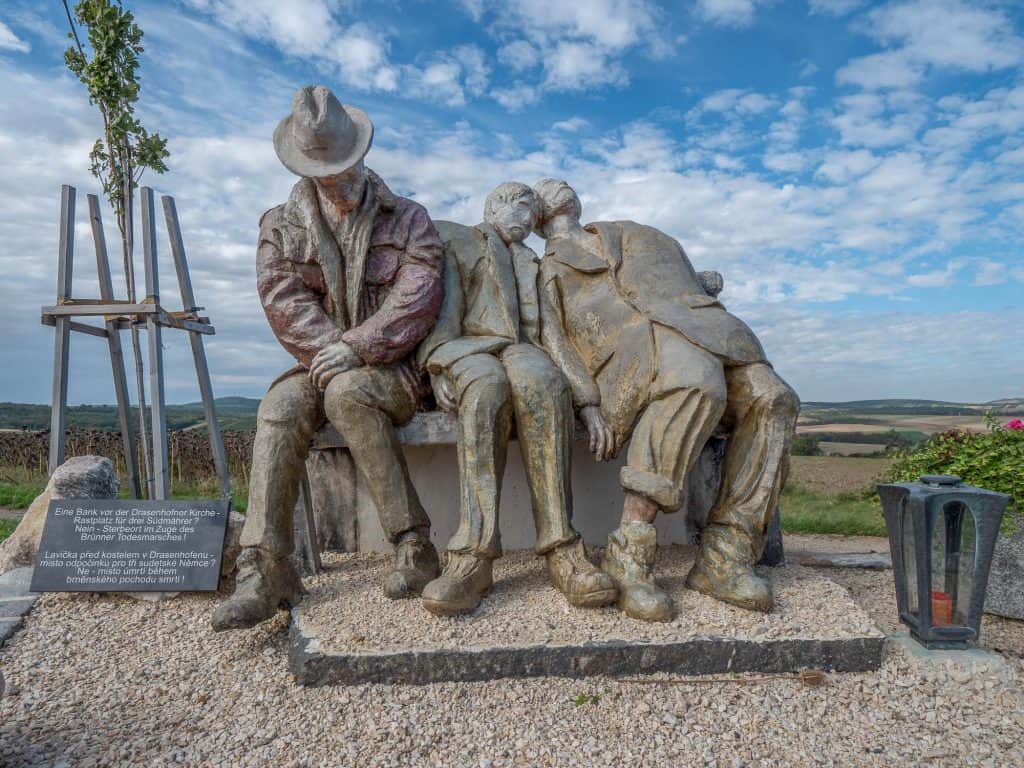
x: 854, y: 169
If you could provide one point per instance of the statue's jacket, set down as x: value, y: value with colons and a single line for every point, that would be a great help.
x: 383, y: 299
x: 598, y: 313
x: 490, y: 297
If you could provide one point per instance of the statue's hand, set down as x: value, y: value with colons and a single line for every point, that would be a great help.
x: 602, y: 441
x: 444, y: 392
x: 330, y: 361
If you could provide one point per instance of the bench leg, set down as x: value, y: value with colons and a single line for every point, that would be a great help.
x: 333, y: 478
x: 307, y: 544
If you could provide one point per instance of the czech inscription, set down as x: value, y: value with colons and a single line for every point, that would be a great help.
x: 91, y: 545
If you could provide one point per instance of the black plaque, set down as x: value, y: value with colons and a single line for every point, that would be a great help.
x: 113, y: 545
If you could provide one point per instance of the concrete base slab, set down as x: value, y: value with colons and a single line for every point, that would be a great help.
x: 15, y: 601
x: 346, y: 632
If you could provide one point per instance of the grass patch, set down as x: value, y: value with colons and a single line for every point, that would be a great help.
x: 7, y: 527
x: 847, y: 514
x: 19, y: 495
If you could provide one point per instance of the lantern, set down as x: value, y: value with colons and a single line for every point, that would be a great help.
x: 941, y: 534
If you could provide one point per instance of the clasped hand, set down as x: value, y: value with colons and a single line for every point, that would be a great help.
x: 330, y: 361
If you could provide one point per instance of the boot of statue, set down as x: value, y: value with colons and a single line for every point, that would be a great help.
x: 465, y: 581
x: 416, y: 564
x: 629, y: 560
x: 583, y: 583
x: 725, y: 570
x: 263, y: 585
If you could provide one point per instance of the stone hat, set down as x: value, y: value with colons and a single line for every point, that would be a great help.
x: 322, y: 136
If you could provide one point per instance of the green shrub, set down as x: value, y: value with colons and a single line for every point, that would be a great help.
x: 992, y: 460
x: 806, y: 445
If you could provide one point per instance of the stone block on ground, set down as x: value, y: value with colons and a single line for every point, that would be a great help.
x: 1005, y: 595
x: 81, y: 477
x: 346, y: 631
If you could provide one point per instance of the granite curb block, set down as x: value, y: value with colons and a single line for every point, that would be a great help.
x: 871, y: 561
x: 15, y: 601
x: 699, y: 656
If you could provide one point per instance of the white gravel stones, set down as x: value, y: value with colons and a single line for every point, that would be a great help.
x: 348, y: 612
x: 105, y: 681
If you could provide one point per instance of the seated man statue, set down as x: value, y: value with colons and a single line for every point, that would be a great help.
x: 350, y: 277
x: 486, y: 364
x: 652, y: 356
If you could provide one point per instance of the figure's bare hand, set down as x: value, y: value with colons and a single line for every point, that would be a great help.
x: 444, y: 392
x: 602, y: 441
x: 330, y: 361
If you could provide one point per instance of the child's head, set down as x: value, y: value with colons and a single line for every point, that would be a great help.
x: 512, y: 209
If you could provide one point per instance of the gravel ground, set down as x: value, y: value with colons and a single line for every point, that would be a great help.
x: 112, y: 681
x: 347, y: 610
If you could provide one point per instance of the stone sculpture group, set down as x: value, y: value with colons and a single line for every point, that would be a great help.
x: 387, y: 312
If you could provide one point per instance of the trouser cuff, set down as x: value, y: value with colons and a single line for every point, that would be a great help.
x: 658, y: 489
x: 548, y: 543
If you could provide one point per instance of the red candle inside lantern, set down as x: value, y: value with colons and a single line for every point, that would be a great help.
x: 942, y: 608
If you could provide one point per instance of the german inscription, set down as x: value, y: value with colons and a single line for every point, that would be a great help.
x: 109, y: 545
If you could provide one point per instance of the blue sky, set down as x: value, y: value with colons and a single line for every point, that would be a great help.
x: 854, y: 169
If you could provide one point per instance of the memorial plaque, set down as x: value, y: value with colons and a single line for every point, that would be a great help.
x: 112, y: 545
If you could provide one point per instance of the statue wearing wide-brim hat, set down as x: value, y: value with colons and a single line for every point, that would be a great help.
x: 350, y: 278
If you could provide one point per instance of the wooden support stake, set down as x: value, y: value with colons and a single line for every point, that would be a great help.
x: 114, y: 345
x: 188, y: 302
x: 158, y: 420
x: 62, y: 336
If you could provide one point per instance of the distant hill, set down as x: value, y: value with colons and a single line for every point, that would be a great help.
x: 232, y: 413
x: 1004, y: 407
x: 240, y: 412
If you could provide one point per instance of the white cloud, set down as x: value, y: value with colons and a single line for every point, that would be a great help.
x: 519, y: 55
x: 572, y: 125
x: 924, y: 34
x: 309, y: 29
x: 575, y: 66
x: 936, y: 278
x: 731, y: 13
x: 834, y: 7
x: 991, y: 273
x: 516, y: 96
x: 579, y: 45
x: 11, y: 42
x: 842, y: 166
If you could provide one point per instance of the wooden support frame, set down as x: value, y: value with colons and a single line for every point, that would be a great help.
x: 119, y: 315
x: 188, y: 303
x: 161, y: 487
x: 113, y: 335
x: 62, y: 336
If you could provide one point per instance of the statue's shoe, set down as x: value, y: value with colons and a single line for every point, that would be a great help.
x: 629, y: 561
x: 582, y: 582
x: 263, y: 585
x: 416, y: 563
x: 466, y: 579
x: 724, y: 570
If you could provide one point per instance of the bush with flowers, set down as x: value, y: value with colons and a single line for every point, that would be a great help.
x: 992, y: 460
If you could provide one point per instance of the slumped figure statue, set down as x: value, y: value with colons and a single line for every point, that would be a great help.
x: 487, y: 365
x: 350, y: 277
x: 653, y: 357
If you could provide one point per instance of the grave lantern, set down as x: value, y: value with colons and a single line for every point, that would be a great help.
x: 942, y: 534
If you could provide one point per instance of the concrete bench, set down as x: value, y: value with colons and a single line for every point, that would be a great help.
x: 345, y: 519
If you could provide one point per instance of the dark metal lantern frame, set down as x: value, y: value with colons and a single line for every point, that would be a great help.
x: 933, y: 517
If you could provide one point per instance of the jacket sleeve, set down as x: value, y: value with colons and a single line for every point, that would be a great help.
x: 557, y: 343
x: 410, y: 310
x: 449, y: 322
x: 295, y: 312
